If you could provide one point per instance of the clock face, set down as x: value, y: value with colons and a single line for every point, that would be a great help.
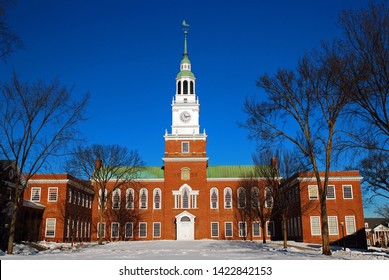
x: 185, y: 116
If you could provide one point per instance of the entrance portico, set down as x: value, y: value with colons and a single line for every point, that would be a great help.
x: 185, y: 226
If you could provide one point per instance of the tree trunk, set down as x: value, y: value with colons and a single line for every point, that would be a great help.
x: 12, y: 226
x: 285, y: 230
x: 264, y: 232
x: 324, y: 228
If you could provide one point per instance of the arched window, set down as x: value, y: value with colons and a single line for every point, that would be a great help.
x: 179, y: 87
x: 185, y: 87
x: 255, y: 197
x: 214, y: 198
x: 130, y: 198
x: 185, y: 198
x: 102, y: 198
x: 191, y: 87
x: 157, y: 198
x: 143, y: 199
x: 268, y: 198
x: 241, y: 198
x: 227, y: 198
x: 116, y: 199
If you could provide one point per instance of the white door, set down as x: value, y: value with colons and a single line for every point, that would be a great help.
x: 185, y: 228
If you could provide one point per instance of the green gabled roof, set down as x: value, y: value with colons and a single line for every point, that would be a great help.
x: 230, y: 171
x: 151, y: 172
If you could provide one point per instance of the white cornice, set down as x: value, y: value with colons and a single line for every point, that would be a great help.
x: 169, y: 137
x: 340, y: 178
x: 184, y: 159
x: 61, y: 181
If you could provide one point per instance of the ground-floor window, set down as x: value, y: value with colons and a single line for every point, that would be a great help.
x: 333, y: 225
x: 50, y: 227
x: 115, y: 230
x: 256, y: 229
x: 214, y: 229
x: 315, y: 225
x: 228, y: 229
x: 157, y: 230
x: 270, y: 228
x: 242, y: 229
x: 129, y: 228
x: 102, y: 228
x: 142, y: 230
x: 350, y: 225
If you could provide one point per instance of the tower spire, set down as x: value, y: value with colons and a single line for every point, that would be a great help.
x: 185, y: 27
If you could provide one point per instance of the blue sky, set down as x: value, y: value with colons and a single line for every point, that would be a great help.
x: 127, y: 54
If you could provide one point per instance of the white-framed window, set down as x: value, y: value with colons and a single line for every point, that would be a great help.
x: 115, y: 230
x: 315, y: 225
x: 333, y: 225
x: 214, y: 229
x: 129, y: 230
x: 268, y: 198
x: 270, y: 230
x: 228, y: 228
x: 227, y: 198
x: 350, y: 225
x: 142, y: 230
x: 214, y: 198
x: 103, y: 227
x: 254, y: 197
x: 69, y: 195
x: 50, y: 227
x: 242, y: 229
x: 157, y: 198
x: 256, y: 229
x: 130, y: 198
x: 52, y: 195
x: 82, y: 200
x: 36, y: 194
x: 116, y: 199
x: 347, y: 192
x: 313, y: 193
x: 157, y: 230
x: 331, y: 192
x: 143, y: 198
x: 185, y: 147
x: 185, y: 198
x: 241, y: 198
x: 78, y: 198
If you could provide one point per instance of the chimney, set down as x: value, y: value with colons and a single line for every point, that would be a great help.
x: 98, y: 163
x: 273, y: 162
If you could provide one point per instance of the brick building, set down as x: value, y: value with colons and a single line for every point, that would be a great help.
x: 67, y: 200
x: 185, y: 199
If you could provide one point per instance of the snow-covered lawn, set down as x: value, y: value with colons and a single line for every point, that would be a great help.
x: 190, y: 250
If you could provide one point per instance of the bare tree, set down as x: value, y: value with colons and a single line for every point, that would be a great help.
x: 108, y: 167
x: 303, y: 107
x: 8, y: 39
x: 274, y: 169
x: 37, y: 122
x: 366, y: 45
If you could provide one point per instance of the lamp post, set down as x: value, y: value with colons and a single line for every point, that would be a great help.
x: 344, y: 243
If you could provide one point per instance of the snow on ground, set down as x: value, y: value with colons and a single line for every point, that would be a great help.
x: 190, y: 250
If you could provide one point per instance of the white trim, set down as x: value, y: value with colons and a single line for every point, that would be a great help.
x: 225, y: 229
x: 140, y: 224
x: 184, y: 159
x: 53, y: 225
x: 118, y: 229
x: 313, y: 188
x: 351, y: 229
x: 218, y: 233
x: 352, y: 193
x: 131, y: 232
x: 259, y: 228
x: 315, y: 219
x: 61, y: 181
x: 217, y: 198
x: 48, y: 194
x: 341, y: 178
x: 245, y: 229
x: 39, y: 194
x: 335, y: 224
x: 331, y: 198
x: 160, y: 233
x: 270, y: 224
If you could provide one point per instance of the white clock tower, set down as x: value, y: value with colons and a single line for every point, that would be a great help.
x: 185, y: 104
